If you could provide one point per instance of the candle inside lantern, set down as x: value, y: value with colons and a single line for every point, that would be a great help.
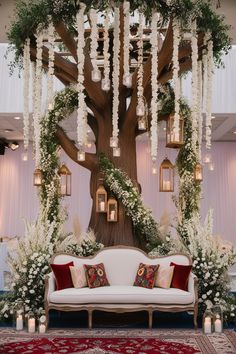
x: 166, y: 185
x: 218, y: 325
x: 112, y: 215
x: 42, y: 328
x: 207, y: 325
x: 96, y: 75
x: 106, y: 85
x: 31, y: 325
x: 19, y: 322
x: 102, y: 206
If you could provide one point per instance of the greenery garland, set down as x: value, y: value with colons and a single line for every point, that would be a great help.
x: 123, y: 188
x: 38, y: 12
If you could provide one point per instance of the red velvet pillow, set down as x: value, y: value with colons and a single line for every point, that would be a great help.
x: 62, y: 275
x: 180, y: 276
x: 96, y: 275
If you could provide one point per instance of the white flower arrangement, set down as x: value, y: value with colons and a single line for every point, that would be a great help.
x: 51, y: 56
x: 26, y: 78
x: 195, y: 101
x: 96, y: 74
x: 140, y: 109
x: 126, y: 70
x: 82, y: 109
x: 176, y: 80
x: 38, y: 96
x: 116, y: 75
x: 106, y: 81
x: 154, y: 83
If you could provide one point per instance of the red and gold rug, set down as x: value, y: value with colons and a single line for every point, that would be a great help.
x: 113, y: 341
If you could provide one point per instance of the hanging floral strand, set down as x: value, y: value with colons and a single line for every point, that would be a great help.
x: 176, y: 80
x: 26, y: 74
x: 194, y: 108
x: 38, y: 96
x: 199, y: 113
x: 106, y: 84
x: 140, y: 109
x: 127, y: 78
x: 81, y: 111
x: 96, y: 73
x: 209, y: 92
x: 51, y: 56
x: 154, y: 83
x: 115, y: 79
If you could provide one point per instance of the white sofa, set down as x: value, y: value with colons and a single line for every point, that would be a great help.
x: 121, y: 264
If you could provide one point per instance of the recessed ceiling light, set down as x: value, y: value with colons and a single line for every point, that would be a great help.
x: 212, y: 117
x: 8, y: 130
x: 17, y: 118
x: 235, y: 132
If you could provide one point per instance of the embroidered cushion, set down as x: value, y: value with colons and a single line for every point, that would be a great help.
x: 78, y: 277
x: 164, y: 276
x: 180, y: 276
x: 146, y: 275
x: 62, y: 275
x: 96, y: 275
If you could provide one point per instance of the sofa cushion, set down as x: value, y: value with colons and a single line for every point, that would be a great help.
x: 146, y: 275
x: 164, y: 276
x: 180, y: 276
x: 96, y: 275
x: 78, y: 277
x: 62, y: 275
x: 122, y: 295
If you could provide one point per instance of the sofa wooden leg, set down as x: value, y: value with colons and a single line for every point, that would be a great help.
x: 150, y: 319
x: 195, y: 313
x: 90, y: 319
x: 47, y: 317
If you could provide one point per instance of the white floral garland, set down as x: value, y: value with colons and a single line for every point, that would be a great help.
x: 154, y: 83
x: 51, y: 57
x: 199, y: 113
x: 116, y: 76
x: 38, y: 96
x: 94, y: 44
x: 82, y: 110
x: 126, y: 75
x: 194, y: 107
x: 141, y: 104
x: 26, y: 77
x: 106, y: 81
x: 209, y: 92
x: 176, y: 80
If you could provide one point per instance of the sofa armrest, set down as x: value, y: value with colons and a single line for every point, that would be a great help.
x: 50, y: 285
x: 192, y: 286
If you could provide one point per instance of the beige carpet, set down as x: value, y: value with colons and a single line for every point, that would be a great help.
x: 224, y: 343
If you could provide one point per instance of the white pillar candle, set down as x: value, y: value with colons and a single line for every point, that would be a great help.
x: 31, y: 325
x: 112, y: 215
x: 102, y: 206
x: 218, y: 326
x: 42, y: 328
x: 207, y: 325
x: 19, y: 323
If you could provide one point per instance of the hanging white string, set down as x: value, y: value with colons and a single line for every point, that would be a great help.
x: 51, y: 56
x: 26, y: 78
x: 140, y: 109
x: 96, y: 74
x: 199, y: 113
x: 127, y: 79
x: 210, y: 65
x: 106, y: 81
x: 194, y: 107
x: 154, y: 84
x: 176, y: 80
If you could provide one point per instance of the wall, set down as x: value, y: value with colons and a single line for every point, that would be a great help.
x: 18, y: 197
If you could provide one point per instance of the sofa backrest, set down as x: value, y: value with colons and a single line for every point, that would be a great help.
x: 121, y: 263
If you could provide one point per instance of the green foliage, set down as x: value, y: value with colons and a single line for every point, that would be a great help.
x: 85, y: 249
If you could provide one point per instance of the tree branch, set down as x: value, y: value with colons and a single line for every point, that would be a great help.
x: 91, y: 160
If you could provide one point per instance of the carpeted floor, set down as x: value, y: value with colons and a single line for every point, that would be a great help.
x: 224, y: 343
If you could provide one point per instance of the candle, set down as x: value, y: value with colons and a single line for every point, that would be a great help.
x: 166, y: 185
x: 207, y: 325
x: 63, y: 189
x: 42, y: 328
x: 112, y: 215
x: 218, y: 326
x: 19, y: 323
x: 31, y: 325
x: 102, y: 206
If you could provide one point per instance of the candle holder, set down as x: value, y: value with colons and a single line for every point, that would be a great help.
x: 19, y: 316
x: 31, y: 322
x: 218, y: 318
x: 42, y: 324
x: 96, y: 75
x: 106, y: 85
x: 207, y: 322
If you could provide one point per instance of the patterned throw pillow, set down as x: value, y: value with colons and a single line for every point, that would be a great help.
x: 164, y: 276
x: 78, y: 277
x: 96, y: 275
x: 146, y: 275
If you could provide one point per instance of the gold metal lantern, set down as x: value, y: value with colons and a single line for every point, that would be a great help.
x: 166, y: 182
x: 37, y: 177
x: 101, y: 199
x: 174, y: 139
x: 198, y: 172
x: 65, y: 180
x: 112, y: 210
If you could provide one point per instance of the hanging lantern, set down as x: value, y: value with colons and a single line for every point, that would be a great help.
x: 166, y: 183
x: 38, y: 177
x: 101, y: 199
x: 142, y: 123
x: 174, y: 140
x: 198, y: 172
x: 112, y: 210
x: 65, y: 177
x: 116, y: 152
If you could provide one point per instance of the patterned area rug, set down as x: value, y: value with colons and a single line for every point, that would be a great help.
x: 111, y: 341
